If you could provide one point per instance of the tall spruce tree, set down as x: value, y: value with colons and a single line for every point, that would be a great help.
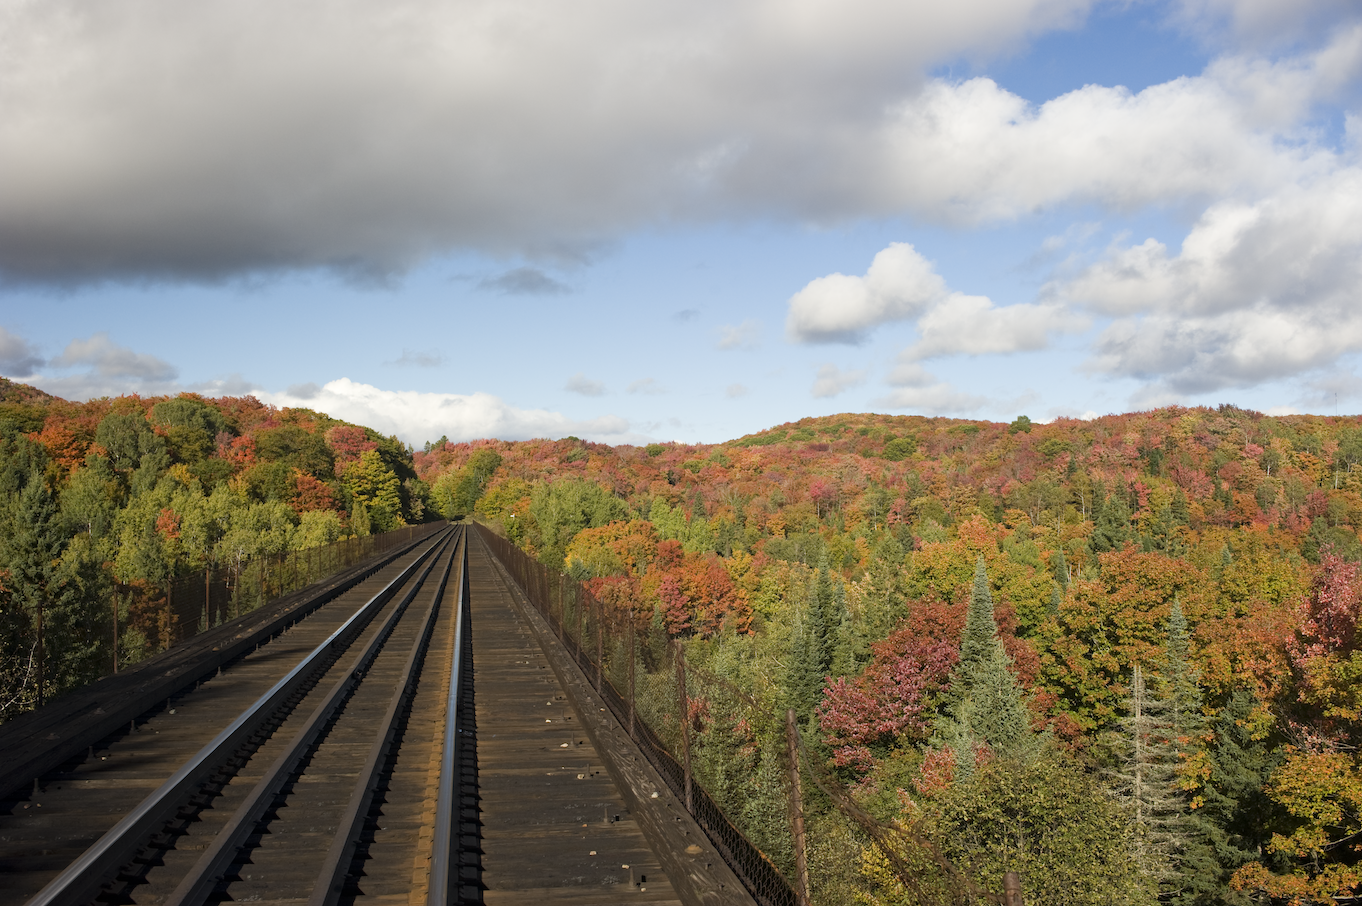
x: 1163, y: 727
x: 984, y: 706
x: 45, y: 592
x: 814, y: 640
x: 1148, y: 784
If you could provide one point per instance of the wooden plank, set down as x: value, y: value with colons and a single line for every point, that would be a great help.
x: 555, y: 828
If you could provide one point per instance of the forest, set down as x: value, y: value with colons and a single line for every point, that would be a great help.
x: 1119, y: 656
x: 106, y: 505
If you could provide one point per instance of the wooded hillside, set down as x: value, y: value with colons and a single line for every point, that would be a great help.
x: 128, y: 495
x: 1175, y: 592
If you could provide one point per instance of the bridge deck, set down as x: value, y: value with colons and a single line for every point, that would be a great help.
x: 555, y: 827
x: 542, y: 817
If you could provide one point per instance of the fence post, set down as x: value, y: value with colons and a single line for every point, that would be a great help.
x: 562, y: 608
x: 632, y: 635
x: 600, y: 642
x: 42, y: 663
x: 797, y: 811
x: 115, y: 627
x: 1012, y: 889
x: 169, y: 638
x: 685, y: 721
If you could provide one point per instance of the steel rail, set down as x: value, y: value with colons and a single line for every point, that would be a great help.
x: 335, y: 868
x: 80, y: 881
x: 215, y: 861
x: 443, y: 886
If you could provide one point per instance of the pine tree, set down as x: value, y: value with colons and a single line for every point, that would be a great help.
x: 1147, y: 782
x: 1236, y: 814
x: 984, y: 705
x: 1163, y: 727
x: 45, y: 591
x: 814, y: 638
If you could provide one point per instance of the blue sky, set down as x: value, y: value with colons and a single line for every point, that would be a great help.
x: 684, y: 220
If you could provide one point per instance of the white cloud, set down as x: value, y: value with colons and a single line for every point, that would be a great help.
x: 935, y: 399
x: 919, y: 390
x: 580, y: 383
x: 973, y: 152
x: 740, y: 336
x: 832, y: 380
x: 18, y: 357
x: 417, y: 417
x: 1265, y: 22
x: 975, y: 326
x: 900, y: 284
x: 1258, y: 291
x: 734, y: 391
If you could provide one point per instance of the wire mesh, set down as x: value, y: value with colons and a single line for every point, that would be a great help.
x: 160, y: 615
x: 642, y: 678
x: 729, y: 758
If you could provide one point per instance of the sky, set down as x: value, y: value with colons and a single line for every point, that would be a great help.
x: 684, y: 219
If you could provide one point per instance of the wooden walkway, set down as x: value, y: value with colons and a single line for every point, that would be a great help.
x: 555, y: 826
x: 554, y: 803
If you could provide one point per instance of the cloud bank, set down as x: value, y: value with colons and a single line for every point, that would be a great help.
x: 240, y: 136
x: 416, y: 417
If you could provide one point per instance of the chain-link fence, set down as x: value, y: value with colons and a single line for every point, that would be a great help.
x: 765, y: 796
x: 150, y: 617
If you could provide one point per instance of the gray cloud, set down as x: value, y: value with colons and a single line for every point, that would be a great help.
x: 107, y: 359
x: 647, y: 385
x: 525, y: 281
x: 308, y: 391
x: 429, y: 358
x: 580, y: 383
x: 686, y: 315
x: 832, y: 380
x: 735, y: 391
x: 241, y: 136
x: 18, y: 358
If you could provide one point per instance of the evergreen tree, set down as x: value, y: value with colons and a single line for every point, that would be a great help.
x: 1180, y: 681
x: 1163, y: 729
x: 1236, y: 811
x: 814, y: 643
x: 984, y: 705
x: 1148, y: 783
x: 46, y: 593
x: 1112, y: 526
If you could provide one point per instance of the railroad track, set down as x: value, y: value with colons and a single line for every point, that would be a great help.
x: 322, y: 767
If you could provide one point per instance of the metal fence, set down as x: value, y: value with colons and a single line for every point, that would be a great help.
x: 644, y: 679
x: 767, y: 799
x: 148, y: 617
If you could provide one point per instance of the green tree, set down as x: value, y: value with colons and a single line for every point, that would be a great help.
x: 372, y: 482
x: 984, y: 705
x: 457, y: 493
x: 1237, y: 815
x: 1046, y: 819
x: 51, y: 614
x: 561, y: 509
x: 191, y: 426
x: 814, y: 644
